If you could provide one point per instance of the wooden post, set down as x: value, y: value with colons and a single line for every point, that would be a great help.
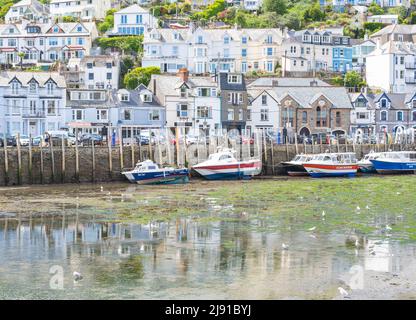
x: 30, y: 164
x: 120, y: 138
x: 63, y: 159
x: 110, y: 153
x: 76, y: 155
x: 313, y: 147
x: 41, y: 160
x: 150, y: 145
x: 19, y: 160
x: 140, y: 146
x: 338, y: 144
x: 133, y: 163
x: 93, y: 159
x: 6, y: 161
x: 296, y: 144
x: 263, y: 136
x: 168, y: 146
x: 320, y: 145
x: 271, y: 152
x: 287, y: 149
x: 304, y: 146
x: 177, y: 145
x: 52, y: 157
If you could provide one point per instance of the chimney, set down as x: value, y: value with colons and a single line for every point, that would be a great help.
x: 314, y: 83
x: 183, y: 74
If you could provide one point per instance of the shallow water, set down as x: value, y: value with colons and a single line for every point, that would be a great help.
x: 210, y: 240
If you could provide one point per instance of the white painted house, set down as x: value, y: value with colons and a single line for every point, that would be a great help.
x: 398, y: 71
x: 31, y: 10
x: 32, y: 102
x: 133, y: 20
x: 83, y: 9
x: 45, y: 42
x: 191, y: 102
x: 384, y: 18
x: 263, y: 111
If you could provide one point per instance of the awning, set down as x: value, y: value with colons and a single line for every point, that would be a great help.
x: 76, y: 124
x: 8, y: 49
x: 73, y: 48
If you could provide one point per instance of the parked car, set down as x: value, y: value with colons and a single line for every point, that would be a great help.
x: 11, y: 141
x: 88, y: 138
x: 37, y: 140
x: 57, y: 135
x: 142, y: 140
x: 24, y: 139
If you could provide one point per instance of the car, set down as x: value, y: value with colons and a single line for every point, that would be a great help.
x: 56, y: 135
x: 11, y: 141
x: 37, y: 140
x: 88, y: 138
x: 24, y: 139
x: 142, y: 140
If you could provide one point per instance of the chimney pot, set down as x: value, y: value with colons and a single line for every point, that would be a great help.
x: 183, y: 74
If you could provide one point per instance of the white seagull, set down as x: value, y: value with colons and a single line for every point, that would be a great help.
x: 102, y: 188
x: 312, y: 229
x: 77, y: 276
x: 323, y: 213
x: 342, y: 291
x: 285, y: 246
x: 358, y: 208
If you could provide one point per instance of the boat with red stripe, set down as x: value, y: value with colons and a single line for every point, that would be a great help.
x: 332, y: 165
x: 224, y: 166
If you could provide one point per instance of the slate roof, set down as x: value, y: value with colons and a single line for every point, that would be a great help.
x: 25, y: 77
x: 225, y: 85
x: 135, y: 8
x: 286, y: 82
x: 135, y: 100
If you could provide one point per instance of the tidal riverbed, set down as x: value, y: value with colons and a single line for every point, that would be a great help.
x: 261, y: 239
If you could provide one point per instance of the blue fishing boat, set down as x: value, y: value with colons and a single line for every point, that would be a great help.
x: 148, y: 172
x: 395, y: 162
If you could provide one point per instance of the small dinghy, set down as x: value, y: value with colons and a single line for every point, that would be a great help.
x: 365, y: 165
x: 148, y: 172
x: 295, y: 166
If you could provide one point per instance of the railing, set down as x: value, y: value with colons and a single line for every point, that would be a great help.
x: 34, y: 115
x: 410, y: 80
x: 410, y: 65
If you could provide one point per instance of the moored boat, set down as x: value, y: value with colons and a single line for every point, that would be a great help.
x: 295, y: 167
x: 365, y: 165
x: 395, y: 162
x: 224, y: 166
x: 148, y: 172
x: 332, y: 165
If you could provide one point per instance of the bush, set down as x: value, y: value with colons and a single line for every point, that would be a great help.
x: 139, y: 75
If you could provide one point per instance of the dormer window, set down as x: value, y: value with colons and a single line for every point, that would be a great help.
x: 32, y: 87
x: 55, y: 29
x: 183, y: 92
x: 325, y: 39
x: 11, y: 30
x: 79, y: 29
x: 200, y: 39
x: 50, y: 87
x: 125, y: 97
x: 414, y: 103
x: 176, y: 36
x: 233, y: 78
x: 306, y: 38
x: 15, y: 87
x: 146, y: 97
x: 269, y: 39
x: 316, y: 38
x: 383, y: 103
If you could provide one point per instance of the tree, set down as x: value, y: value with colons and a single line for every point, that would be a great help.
x: 21, y: 55
x: 375, y: 9
x: 108, y: 22
x: 353, y: 79
x: 139, y: 75
x: 278, y: 6
x: 132, y: 44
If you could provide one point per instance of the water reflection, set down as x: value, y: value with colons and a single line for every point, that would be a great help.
x: 185, y: 259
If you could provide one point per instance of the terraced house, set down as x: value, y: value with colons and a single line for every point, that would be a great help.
x: 308, y: 51
x: 303, y: 106
x: 133, y: 20
x: 45, y: 43
x: 32, y: 102
x: 86, y: 10
x: 204, y: 51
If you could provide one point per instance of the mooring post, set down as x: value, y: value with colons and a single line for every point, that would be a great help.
x: 167, y: 141
x: 338, y: 144
x: 132, y: 148
x: 93, y: 159
x: 271, y: 152
x: 41, y: 160
x: 30, y: 164
x: 6, y: 161
x: 120, y: 138
x: 110, y: 154
x: 287, y: 149
x: 63, y: 159
x: 19, y: 160
x: 313, y: 148
x: 52, y: 157
x: 177, y: 145
x: 76, y: 155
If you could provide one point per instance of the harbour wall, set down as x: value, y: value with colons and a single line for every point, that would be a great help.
x: 34, y: 165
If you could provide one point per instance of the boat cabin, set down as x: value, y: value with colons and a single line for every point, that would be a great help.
x: 344, y: 158
x: 147, y: 165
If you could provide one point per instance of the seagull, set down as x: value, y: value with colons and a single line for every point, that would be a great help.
x: 323, y: 213
x: 357, y: 243
x: 397, y: 192
x: 388, y: 227
x: 311, y: 229
x: 77, y: 276
x: 142, y: 247
x: 285, y: 246
x: 358, y: 208
x: 342, y: 291
x: 102, y: 188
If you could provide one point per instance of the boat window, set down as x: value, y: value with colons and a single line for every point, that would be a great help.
x: 151, y: 167
x: 327, y: 158
x: 224, y: 157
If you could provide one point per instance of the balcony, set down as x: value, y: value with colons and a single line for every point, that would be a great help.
x: 410, y: 80
x: 34, y: 115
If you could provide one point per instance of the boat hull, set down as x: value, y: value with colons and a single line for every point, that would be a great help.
x: 158, y: 177
x: 294, y: 169
x: 243, y: 170
x: 382, y: 166
x: 328, y: 170
x: 366, y: 168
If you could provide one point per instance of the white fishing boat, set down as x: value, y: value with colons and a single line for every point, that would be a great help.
x: 148, y: 172
x: 223, y: 165
x: 295, y: 167
x: 365, y: 165
x: 332, y: 165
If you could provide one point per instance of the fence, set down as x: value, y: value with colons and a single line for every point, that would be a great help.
x: 58, y: 163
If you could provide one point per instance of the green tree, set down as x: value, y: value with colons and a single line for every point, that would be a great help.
x: 375, y: 9
x: 130, y: 44
x: 21, y: 55
x: 139, y: 75
x: 108, y: 22
x: 353, y: 79
x: 278, y: 6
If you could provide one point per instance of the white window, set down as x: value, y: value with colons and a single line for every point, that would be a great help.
x: 77, y: 114
x: 154, y: 115
x: 203, y: 112
x: 230, y: 114
x: 234, y: 78
x: 264, y: 115
x: 182, y: 111
x: 127, y: 114
x: 102, y: 114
